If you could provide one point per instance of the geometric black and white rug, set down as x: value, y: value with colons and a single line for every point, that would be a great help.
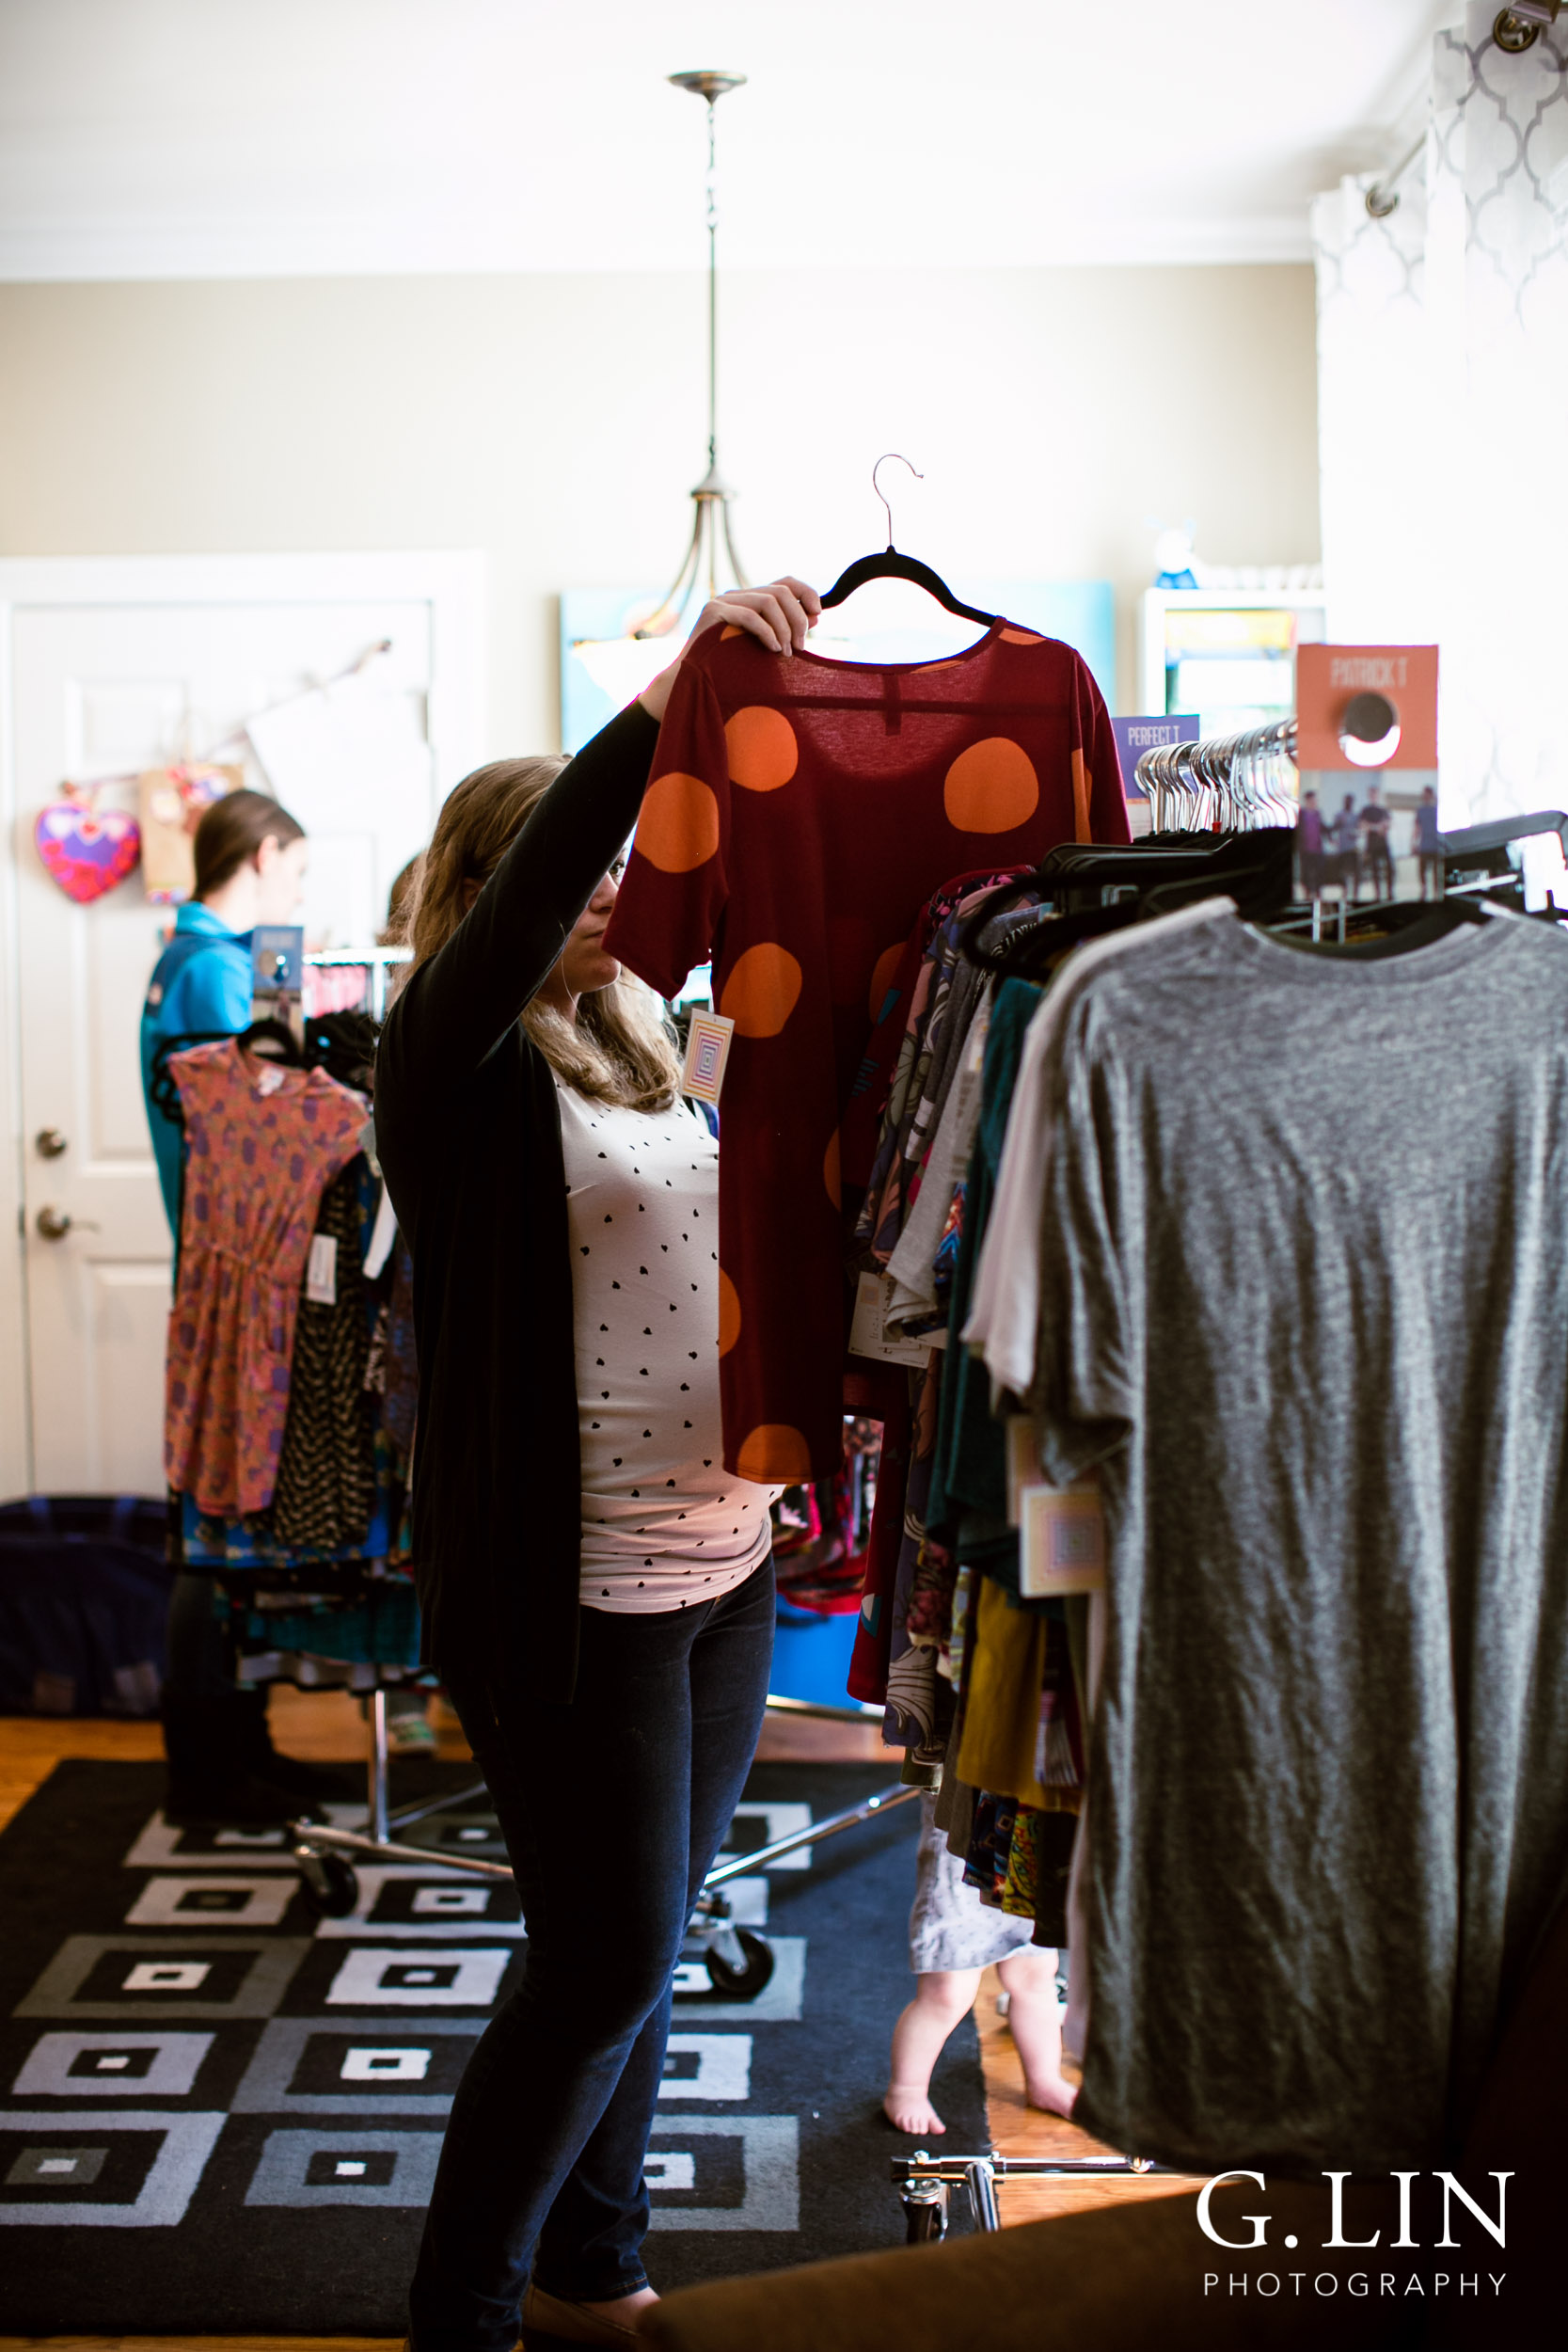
x: 220, y: 2114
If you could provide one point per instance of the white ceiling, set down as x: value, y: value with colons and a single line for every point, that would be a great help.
x: 159, y: 139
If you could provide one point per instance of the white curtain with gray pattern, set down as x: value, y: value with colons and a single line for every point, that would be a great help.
x: 1443, y: 415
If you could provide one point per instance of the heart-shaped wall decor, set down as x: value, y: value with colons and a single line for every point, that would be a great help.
x: 87, y: 851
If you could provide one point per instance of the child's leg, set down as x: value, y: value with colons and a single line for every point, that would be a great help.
x: 942, y: 1997
x: 1035, y: 2018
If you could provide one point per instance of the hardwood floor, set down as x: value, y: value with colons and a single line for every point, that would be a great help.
x: 328, y: 1727
x: 32, y: 1746
x: 324, y: 1726
x: 1018, y: 2129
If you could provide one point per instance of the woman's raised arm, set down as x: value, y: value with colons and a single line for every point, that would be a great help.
x: 459, y: 1005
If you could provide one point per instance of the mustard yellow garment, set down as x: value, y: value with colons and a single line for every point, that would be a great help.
x: 1002, y: 1704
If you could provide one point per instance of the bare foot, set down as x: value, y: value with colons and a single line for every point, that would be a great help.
x: 1055, y: 2095
x: 909, y: 2108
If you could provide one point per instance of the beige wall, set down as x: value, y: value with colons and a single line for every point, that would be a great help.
x: 557, y: 424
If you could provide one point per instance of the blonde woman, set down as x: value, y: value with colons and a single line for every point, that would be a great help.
x: 597, y: 1588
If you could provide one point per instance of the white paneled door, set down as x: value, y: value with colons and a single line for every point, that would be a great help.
x: 110, y: 668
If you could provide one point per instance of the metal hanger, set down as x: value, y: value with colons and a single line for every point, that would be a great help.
x: 1237, y: 783
x: 891, y: 565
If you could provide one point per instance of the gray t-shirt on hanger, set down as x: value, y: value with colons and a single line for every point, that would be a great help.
x: 1304, y: 1301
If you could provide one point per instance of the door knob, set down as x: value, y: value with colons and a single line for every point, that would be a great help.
x: 50, y: 1143
x: 55, y: 1224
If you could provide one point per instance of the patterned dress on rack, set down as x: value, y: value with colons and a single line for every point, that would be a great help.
x: 326, y: 1488
x: 262, y: 1144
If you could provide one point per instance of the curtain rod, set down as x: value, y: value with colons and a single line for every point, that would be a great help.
x: 1382, y: 197
x: 1514, y: 30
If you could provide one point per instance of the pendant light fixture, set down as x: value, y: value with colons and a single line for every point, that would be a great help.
x: 621, y: 666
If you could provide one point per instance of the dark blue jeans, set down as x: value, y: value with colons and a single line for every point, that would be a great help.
x: 612, y: 1809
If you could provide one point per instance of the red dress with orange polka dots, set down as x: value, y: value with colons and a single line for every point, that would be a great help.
x: 801, y: 813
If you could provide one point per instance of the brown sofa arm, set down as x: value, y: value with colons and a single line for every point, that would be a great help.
x: 1115, y: 2280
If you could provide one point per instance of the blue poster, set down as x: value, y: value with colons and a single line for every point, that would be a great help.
x: 1136, y: 736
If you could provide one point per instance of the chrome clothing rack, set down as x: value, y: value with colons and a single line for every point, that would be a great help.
x: 739, y: 1961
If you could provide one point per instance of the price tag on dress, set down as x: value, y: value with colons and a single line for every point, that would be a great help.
x: 707, y: 1049
x: 321, y: 1271
x: 873, y: 1292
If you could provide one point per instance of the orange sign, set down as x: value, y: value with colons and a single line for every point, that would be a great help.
x: 1329, y: 678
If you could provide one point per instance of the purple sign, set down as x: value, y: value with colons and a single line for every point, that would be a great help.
x: 1136, y: 736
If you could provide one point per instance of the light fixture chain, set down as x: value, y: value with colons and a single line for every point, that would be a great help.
x: 712, y: 291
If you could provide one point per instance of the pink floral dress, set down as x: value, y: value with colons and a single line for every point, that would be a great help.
x: 262, y: 1144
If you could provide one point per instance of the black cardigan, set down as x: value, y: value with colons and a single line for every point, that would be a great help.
x: 468, y: 1134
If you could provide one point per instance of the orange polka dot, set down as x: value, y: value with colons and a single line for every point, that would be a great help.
x: 1082, y: 829
x: 731, y: 629
x: 762, y: 991
x: 774, y: 1454
x: 883, y: 976
x: 763, y: 750
x: 729, y: 1313
x: 1021, y: 636
x: 678, y: 829
x: 991, y: 788
x: 831, y: 1174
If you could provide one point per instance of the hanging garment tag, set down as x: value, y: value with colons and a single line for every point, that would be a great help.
x: 1061, y: 1541
x: 707, y: 1050
x: 872, y: 1295
x: 321, y: 1271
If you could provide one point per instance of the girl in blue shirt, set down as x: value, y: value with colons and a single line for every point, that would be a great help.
x: 249, y: 868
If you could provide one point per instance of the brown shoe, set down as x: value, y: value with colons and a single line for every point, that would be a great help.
x: 549, y: 2320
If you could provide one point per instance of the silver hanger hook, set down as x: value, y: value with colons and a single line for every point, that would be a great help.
x: 876, y: 470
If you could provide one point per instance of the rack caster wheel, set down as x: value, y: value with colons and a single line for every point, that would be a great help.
x: 331, y: 1884
x: 925, y: 2221
x: 925, y: 2214
x: 746, y: 1982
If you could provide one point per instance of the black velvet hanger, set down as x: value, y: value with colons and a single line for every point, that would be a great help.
x: 273, y: 1040
x: 1031, y: 950
x: 1252, y: 868
x: 343, y: 1044
x: 1405, y: 926
x: 890, y: 565
x: 161, y: 1083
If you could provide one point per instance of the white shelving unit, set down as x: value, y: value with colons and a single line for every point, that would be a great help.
x: 1227, y: 653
